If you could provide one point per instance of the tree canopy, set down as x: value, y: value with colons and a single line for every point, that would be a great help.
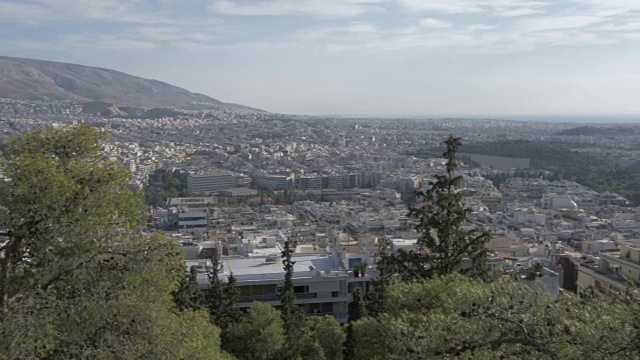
x: 77, y: 277
x: 459, y: 317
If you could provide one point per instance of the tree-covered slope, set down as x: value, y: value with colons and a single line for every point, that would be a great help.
x: 586, y: 169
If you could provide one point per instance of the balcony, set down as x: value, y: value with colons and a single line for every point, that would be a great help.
x: 271, y: 297
x: 306, y: 296
x: 274, y: 297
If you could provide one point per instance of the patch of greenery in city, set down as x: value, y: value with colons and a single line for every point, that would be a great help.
x: 598, y: 131
x: 164, y: 184
x: 586, y: 169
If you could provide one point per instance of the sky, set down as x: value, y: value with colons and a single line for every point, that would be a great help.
x: 366, y: 57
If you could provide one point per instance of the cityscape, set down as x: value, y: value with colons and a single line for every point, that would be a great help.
x: 316, y: 208
x: 241, y: 185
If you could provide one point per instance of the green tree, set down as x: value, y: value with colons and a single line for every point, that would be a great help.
x: 231, y: 294
x: 258, y: 336
x: 328, y: 334
x: 189, y: 295
x: 292, y: 315
x: 444, y: 246
x: 375, y: 299
x: 222, y: 296
x: 357, y: 311
x: 457, y: 317
x: 75, y: 279
x: 60, y: 194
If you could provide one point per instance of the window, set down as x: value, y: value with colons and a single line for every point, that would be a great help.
x: 322, y: 308
x: 244, y: 290
x: 263, y: 290
x: 300, y: 289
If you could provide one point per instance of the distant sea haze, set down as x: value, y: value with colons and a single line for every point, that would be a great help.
x: 584, y: 119
x: 574, y: 119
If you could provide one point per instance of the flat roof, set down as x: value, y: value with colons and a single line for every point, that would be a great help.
x: 247, y: 269
x: 256, y: 269
x: 404, y: 242
x: 240, y: 190
x: 633, y: 243
x: 243, y: 266
x: 265, y: 251
x: 350, y: 249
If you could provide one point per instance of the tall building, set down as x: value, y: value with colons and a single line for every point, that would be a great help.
x: 206, y: 183
x: 309, y: 182
x: 273, y: 182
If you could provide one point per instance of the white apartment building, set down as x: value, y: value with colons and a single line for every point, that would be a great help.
x: 323, y: 284
x: 613, y: 269
x: 193, y: 213
x: 193, y: 202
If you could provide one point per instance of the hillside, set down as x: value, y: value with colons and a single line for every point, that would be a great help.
x: 28, y: 79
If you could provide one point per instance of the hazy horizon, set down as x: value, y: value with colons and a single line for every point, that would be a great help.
x: 571, y: 58
x: 564, y: 118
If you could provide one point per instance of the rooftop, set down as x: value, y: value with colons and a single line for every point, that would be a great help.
x: 350, y: 249
x: 270, y: 268
x: 634, y: 243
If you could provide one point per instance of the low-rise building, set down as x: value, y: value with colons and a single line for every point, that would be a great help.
x: 323, y: 284
x: 613, y: 270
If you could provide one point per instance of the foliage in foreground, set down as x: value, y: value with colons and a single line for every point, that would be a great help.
x: 75, y: 279
x: 458, y: 317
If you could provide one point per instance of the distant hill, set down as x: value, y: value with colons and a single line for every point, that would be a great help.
x: 28, y: 79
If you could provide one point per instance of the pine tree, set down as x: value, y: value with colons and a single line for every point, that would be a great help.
x: 288, y: 298
x: 229, y: 300
x: 292, y: 315
x: 375, y: 298
x: 357, y: 311
x: 214, y: 295
x: 188, y: 296
x: 221, y: 296
x: 443, y: 247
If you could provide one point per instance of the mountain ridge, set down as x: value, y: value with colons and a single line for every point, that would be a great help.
x: 33, y: 79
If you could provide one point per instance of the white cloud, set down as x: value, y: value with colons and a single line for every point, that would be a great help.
x: 16, y: 12
x: 104, y: 41
x: 517, y: 12
x: 330, y: 8
x: 361, y: 27
x: 522, y: 34
x: 490, y: 7
x: 159, y: 33
x: 73, y: 11
x: 441, y: 6
x: 632, y: 26
x: 432, y: 23
x: 557, y: 23
x: 487, y: 25
x: 608, y: 7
